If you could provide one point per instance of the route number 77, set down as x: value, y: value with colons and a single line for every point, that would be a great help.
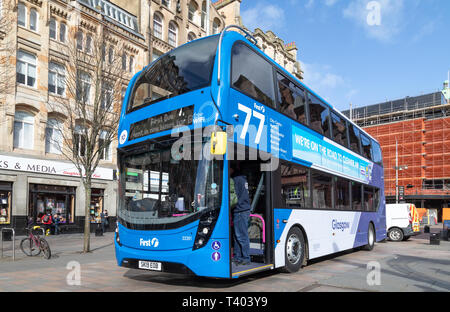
x: 249, y: 113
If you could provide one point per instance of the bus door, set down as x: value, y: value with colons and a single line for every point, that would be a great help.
x: 259, y: 228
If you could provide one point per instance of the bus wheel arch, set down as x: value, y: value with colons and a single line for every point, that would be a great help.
x: 295, y: 249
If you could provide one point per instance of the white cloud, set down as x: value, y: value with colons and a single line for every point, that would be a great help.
x: 264, y: 15
x: 391, y: 22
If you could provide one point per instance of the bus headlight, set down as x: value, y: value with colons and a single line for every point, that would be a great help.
x: 205, y: 228
x: 117, y: 234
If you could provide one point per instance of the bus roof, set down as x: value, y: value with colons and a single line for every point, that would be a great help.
x: 282, y: 69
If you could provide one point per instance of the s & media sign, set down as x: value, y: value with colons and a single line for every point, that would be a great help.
x: 49, y: 167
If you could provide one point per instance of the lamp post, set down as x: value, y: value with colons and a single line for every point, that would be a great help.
x: 397, y: 168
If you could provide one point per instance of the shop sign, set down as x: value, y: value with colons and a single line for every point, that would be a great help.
x: 49, y: 167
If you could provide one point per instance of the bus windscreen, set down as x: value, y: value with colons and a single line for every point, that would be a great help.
x: 182, y: 70
x: 165, y: 185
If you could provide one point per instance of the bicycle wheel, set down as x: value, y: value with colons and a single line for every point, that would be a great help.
x: 29, y: 247
x: 45, y: 247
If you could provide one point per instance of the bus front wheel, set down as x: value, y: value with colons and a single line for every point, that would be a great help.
x: 294, y: 250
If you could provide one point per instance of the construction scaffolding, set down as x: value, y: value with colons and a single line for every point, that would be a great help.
x: 421, y: 126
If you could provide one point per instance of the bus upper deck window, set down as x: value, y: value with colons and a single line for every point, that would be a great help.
x: 252, y: 74
x: 366, y: 147
x: 354, y: 138
x: 291, y: 99
x: 339, y: 128
x: 319, y: 116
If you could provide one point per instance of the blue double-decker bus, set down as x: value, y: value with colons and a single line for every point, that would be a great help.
x: 315, y: 179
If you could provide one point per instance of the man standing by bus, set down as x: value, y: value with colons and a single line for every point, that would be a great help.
x: 240, y: 207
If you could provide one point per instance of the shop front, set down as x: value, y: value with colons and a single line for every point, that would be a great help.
x: 55, y: 199
x: 30, y: 187
x: 5, y: 202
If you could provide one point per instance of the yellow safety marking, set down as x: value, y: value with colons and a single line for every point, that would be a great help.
x: 261, y: 267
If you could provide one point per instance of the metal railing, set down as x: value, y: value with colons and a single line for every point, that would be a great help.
x: 13, y: 241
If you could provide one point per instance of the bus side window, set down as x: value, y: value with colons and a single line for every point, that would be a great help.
x: 377, y: 156
x: 252, y: 74
x: 368, y: 198
x: 322, y: 190
x: 366, y: 147
x: 295, y: 187
x: 342, y: 194
x: 319, y: 116
x: 339, y: 129
x: 353, y: 133
x: 356, y: 196
x: 291, y: 99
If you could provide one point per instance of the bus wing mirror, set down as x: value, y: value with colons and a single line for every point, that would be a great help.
x: 218, y: 143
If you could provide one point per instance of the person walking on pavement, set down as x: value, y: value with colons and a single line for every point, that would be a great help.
x: 240, y: 207
x: 104, y: 220
x: 56, y: 220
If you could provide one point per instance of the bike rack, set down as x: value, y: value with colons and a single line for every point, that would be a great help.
x: 13, y: 241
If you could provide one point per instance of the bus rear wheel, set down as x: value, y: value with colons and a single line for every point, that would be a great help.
x: 294, y: 250
x: 370, y: 238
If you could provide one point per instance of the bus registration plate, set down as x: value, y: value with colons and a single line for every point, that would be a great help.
x: 148, y: 265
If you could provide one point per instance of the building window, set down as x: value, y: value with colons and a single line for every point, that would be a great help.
x: 156, y: 55
x: 192, y: 13
x: 53, y: 136
x: 56, y: 79
x: 83, y: 87
x: 157, y: 26
x: 216, y: 26
x: 26, y: 68
x: 203, y: 22
x: 131, y: 67
x: 166, y: 3
x: 124, y: 61
x: 173, y: 31
x: 111, y: 55
x: 79, y: 141
x: 62, y: 32
x: 107, y: 96
x: 88, y: 47
x: 191, y: 36
x: 105, y: 146
x: 33, y: 19
x: 52, y: 27
x: 80, y: 40
x: 22, y: 15
x: 23, y: 130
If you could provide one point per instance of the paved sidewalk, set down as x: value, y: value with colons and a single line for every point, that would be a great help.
x: 414, y: 265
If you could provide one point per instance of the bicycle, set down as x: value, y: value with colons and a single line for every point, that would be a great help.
x: 33, y: 245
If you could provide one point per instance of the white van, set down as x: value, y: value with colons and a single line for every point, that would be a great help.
x: 402, y: 221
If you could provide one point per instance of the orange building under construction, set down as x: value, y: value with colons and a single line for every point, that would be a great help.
x: 414, y: 134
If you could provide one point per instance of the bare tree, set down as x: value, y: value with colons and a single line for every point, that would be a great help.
x: 89, y: 90
x: 8, y: 19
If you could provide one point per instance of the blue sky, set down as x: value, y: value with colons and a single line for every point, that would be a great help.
x: 347, y: 60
